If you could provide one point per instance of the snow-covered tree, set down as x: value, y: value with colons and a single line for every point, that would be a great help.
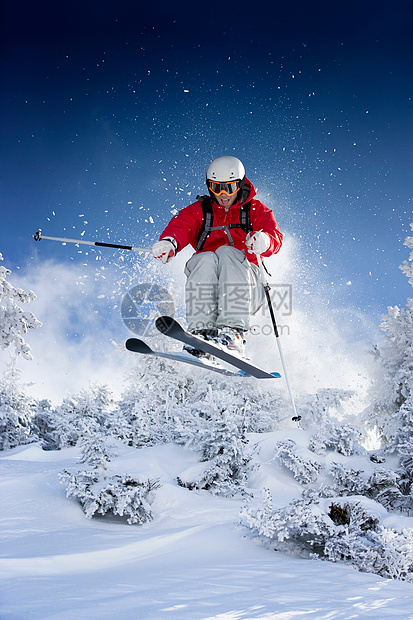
x: 386, y: 486
x: 407, y: 265
x: 24, y: 419
x: 304, y: 467
x: 321, y: 411
x: 14, y: 322
x: 94, y: 404
x: 340, y: 530
x: 96, y: 447
x: 224, y: 453
x: 207, y: 414
x: 122, y: 495
x: 405, y: 449
x: 14, y: 428
x: 16, y: 410
x: 393, y: 388
x: 43, y: 425
x: 147, y: 408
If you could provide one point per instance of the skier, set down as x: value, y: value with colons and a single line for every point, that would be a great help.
x: 227, y: 229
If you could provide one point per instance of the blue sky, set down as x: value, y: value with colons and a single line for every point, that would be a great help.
x: 110, y: 113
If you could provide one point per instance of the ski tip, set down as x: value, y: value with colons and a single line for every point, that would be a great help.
x: 276, y: 375
x: 164, y: 323
x: 137, y: 346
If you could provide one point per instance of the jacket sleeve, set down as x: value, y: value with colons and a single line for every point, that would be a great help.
x: 262, y: 218
x: 185, y: 226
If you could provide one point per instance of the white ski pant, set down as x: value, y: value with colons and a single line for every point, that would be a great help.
x: 223, y: 289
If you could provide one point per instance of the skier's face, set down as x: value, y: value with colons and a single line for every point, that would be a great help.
x: 226, y: 201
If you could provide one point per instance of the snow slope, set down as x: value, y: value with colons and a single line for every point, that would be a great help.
x: 191, y: 562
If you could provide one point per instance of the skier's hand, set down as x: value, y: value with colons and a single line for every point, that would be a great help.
x: 257, y: 242
x: 165, y: 249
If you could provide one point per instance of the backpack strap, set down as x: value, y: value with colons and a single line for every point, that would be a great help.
x: 245, y: 217
x: 207, y: 222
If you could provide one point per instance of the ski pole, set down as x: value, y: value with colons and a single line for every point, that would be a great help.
x: 38, y: 236
x: 267, y: 289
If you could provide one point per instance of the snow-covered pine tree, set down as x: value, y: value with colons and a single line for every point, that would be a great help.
x: 220, y: 439
x: 96, y: 447
x: 304, y: 467
x: 14, y: 428
x: 340, y: 530
x: 384, y: 486
x: 91, y: 426
x: 24, y: 419
x: 122, y: 495
x: 407, y: 265
x: 205, y: 412
x: 405, y: 449
x: 320, y: 411
x: 14, y: 322
x: 393, y: 387
x: 148, y: 409
x: 43, y: 427
x: 16, y: 410
x: 94, y: 403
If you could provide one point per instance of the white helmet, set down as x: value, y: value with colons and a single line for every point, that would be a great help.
x: 226, y: 168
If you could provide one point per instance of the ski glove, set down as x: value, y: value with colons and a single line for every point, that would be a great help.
x: 165, y: 249
x: 257, y: 242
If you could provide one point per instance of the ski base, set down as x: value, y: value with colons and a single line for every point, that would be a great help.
x: 168, y: 326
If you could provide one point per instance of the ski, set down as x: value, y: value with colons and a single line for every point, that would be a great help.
x: 138, y: 346
x: 168, y: 326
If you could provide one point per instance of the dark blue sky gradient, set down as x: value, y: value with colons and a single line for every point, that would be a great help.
x: 110, y: 113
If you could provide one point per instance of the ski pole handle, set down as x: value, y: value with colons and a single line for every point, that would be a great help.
x: 262, y: 270
x: 38, y: 237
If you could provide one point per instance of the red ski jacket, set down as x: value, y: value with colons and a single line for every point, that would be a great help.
x: 185, y: 227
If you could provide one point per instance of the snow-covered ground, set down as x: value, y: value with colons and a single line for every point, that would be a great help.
x: 191, y: 562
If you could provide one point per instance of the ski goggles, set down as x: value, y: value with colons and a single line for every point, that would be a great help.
x: 230, y: 188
